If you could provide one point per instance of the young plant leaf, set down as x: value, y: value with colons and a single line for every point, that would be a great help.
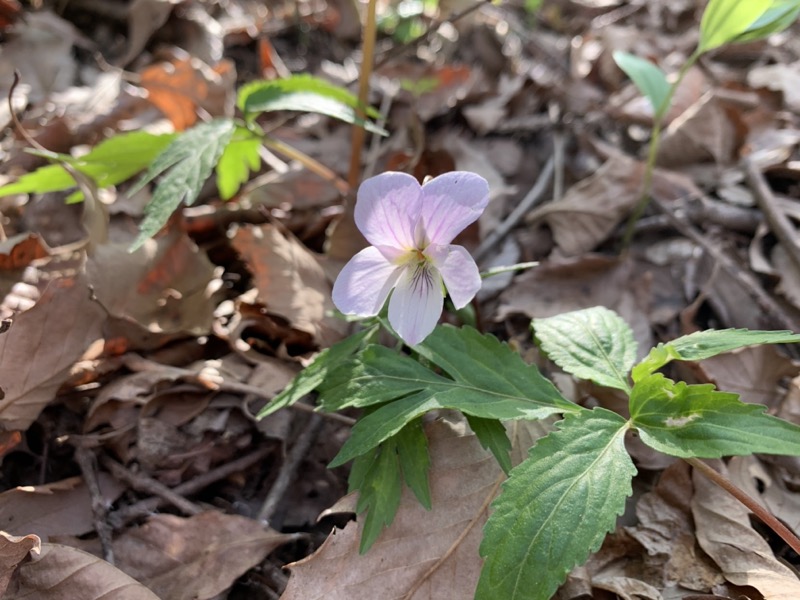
x: 186, y: 164
x: 648, y: 78
x: 304, y: 93
x: 556, y: 507
x: 111, y: 162
x: 700, y: 422
x: 725, y: 20
x: 376, y: 476
x: 415, y: 462
x: 238, y: 159
x: 705, y: 344
x: 493, y: 437
x: 778, y: 17
x: 594, y: 343
x: 326, y: 362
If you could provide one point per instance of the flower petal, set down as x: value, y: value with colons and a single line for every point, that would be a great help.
x: 387, y: 209
x: 416, y: 304
x: 459, y: 271
x: 363, y: 285
x: 450, y: 202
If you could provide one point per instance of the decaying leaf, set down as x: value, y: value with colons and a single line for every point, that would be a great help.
x: 41, y: 346
x: 432, y: 554
x: 13, y: 550
x: 60, y: 572
x: 290, y: 280
x: 195, y: 558
x: 59, y: 508
x: 725, y: 534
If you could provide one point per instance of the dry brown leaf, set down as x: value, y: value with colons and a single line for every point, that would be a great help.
x: 60, y: 573
x: 183, y: 86
x: 145, y: 17
x: 13, y: 550
x: 60, y: 508
x: 43, y: 343
x: 166, y: 286
x: 290, y: 280
x: 779, y: 77
x: 725, y: 534
x: 194, y: 558
x: 433, y: 552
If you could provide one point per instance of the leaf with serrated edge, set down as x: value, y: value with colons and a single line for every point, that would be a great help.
x: 648, y: 78
x: 556, y: 507
x: 698, y: 421
x: 705, y: 344
x: 310, y: 378
x: 724, y: 20
x: 187, y: 162
x: 593, y: 343
x: 239, y: 158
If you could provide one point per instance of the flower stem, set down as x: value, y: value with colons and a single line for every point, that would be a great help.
x: 368, y: 54
x: 309, y: 163
x: 726, y: 484
x: 652, y: 152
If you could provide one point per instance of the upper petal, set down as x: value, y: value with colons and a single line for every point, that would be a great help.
x: 459, y: 272
x: 364, y: 284
x: 387, y: 209
x: 416, y: 304
x: 450, y: 202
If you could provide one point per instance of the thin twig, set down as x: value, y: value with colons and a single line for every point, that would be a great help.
x: 145, y: 507
x: 289, y: 467
x: 143, y: 483
x: 528, y: 202
x: 367, y: 60
x: 726, y: 484
x: 773, y: 310
x: 777, y: 219
x: 87, y: 462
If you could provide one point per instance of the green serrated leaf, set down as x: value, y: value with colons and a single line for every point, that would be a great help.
x: 376, y: 476
x: 239, y: 158
x: 415, y: 462
x: 304, y: 93
x: 705, y: 344
x: 185, y: 164
x: 648, y: 78
x: 110, y: 162
x: 556, y: 507
x: 594, y: 343
x: 697, y: 421
x: 778, y: 17
x: 493, y: 437
x: 310, y: 378
x: 724, y: 20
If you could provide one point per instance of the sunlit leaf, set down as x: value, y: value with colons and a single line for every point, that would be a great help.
x: 724, y: 20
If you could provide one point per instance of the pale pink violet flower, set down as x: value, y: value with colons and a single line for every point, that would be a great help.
x: 410, y: 227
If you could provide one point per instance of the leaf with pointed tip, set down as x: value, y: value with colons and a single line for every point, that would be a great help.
x: 697, y: 421
x: 493, y: 437
x: 556, y: 507
x: 724, y: 20
x: 778, y: 17
x: 705, y: 344
x: 648, y: 78
x: 593, y: 343
x: 238, y: 159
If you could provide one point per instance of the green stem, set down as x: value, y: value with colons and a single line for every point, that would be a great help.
x: 726, y: 484
x: 652, y: 152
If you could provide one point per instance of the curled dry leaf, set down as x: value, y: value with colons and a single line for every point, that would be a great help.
x: 41, y: 346
x: 423, y: 554
x: 195, y: 558
x: 60, y: 508
x: 60, y: 572
x: 290, y: 280
x: 725, y: 534
x: 13, y: 549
